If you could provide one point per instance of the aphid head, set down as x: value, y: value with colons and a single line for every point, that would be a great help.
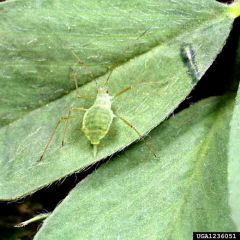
x: 103, y: 90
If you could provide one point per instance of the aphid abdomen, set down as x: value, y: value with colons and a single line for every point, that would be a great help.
x: 96, y: 123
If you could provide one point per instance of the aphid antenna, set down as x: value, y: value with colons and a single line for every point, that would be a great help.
x: 109, y: 75
x: 82, y: 63
x: 124, y: 51
x: 88, y: 118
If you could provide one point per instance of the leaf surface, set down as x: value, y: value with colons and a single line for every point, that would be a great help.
x: 135, y: 196
x: 140, y: 40
x: 234, y: 154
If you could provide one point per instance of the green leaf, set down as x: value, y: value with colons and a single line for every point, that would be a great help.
x: 35, y: 42
x: 234, y: 153
x: 235, y: 8
x: 135, y: 196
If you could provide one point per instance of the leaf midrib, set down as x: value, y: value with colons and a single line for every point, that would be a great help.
x: 203, y: 147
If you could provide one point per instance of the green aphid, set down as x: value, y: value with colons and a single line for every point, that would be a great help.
x: 98, y: 119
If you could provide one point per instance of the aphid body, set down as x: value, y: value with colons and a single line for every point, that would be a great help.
x: 98, y: 118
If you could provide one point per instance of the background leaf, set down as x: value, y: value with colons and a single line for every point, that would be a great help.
x: 136, y: 196
x: 36, y: 47
x: 234, y: 153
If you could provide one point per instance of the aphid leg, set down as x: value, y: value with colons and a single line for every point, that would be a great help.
x: 139, y: 134
x: 137, y: 85
x: 62, y: 119
x: 123, y: 91
x: 68, y: 117
x: 125, y: 50
x: 86, y: 97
